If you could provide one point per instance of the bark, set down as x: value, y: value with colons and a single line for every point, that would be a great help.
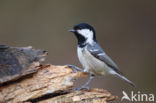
x: 16, y: 62
x: 24, y: 79
x: 52, y: 84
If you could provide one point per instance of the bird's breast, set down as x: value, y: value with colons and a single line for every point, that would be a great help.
x: 90, y: 63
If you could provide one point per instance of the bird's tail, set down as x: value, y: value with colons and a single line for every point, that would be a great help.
x: 125, y: 79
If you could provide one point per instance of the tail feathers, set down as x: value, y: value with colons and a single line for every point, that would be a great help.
x: 125, y: 79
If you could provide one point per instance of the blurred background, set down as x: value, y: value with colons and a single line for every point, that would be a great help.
x: 126, y: 30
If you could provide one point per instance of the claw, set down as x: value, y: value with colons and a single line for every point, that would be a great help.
x: 85, y: 86
x: 75, y: 68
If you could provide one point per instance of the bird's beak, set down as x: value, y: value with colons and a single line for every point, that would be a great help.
x: 71, y: 30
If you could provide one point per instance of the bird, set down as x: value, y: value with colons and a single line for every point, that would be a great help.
x: 92, y: 57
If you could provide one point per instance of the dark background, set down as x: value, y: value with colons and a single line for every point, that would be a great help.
x: 126, y: 30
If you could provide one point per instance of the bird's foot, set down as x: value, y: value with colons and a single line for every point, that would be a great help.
x: 83, y: 88
x: 75, y: 68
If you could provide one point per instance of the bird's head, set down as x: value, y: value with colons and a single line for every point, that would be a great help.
x: 84, y: 33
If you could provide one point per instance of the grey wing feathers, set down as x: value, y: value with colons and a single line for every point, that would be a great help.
x: 97, y: 52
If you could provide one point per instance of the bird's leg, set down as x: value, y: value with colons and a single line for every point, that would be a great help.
x: 85, y: 86
x: 75, y: 68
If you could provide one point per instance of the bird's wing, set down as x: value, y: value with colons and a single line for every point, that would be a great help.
x: 97, y: 52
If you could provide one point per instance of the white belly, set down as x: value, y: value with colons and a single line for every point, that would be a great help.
x: 91, y: 64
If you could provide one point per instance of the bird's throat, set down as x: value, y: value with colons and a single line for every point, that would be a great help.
x: 81, y: 40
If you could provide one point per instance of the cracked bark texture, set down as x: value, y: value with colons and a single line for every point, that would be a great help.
x: 16, y: 62
x: 24, y: 80
x: 52, y: 84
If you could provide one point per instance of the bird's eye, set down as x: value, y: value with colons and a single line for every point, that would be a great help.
x: 79, y: 28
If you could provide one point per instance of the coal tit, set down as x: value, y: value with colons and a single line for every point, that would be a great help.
x: 92, y: 57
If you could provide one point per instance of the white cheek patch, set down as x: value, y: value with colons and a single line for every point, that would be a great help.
x: 88, y: 34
